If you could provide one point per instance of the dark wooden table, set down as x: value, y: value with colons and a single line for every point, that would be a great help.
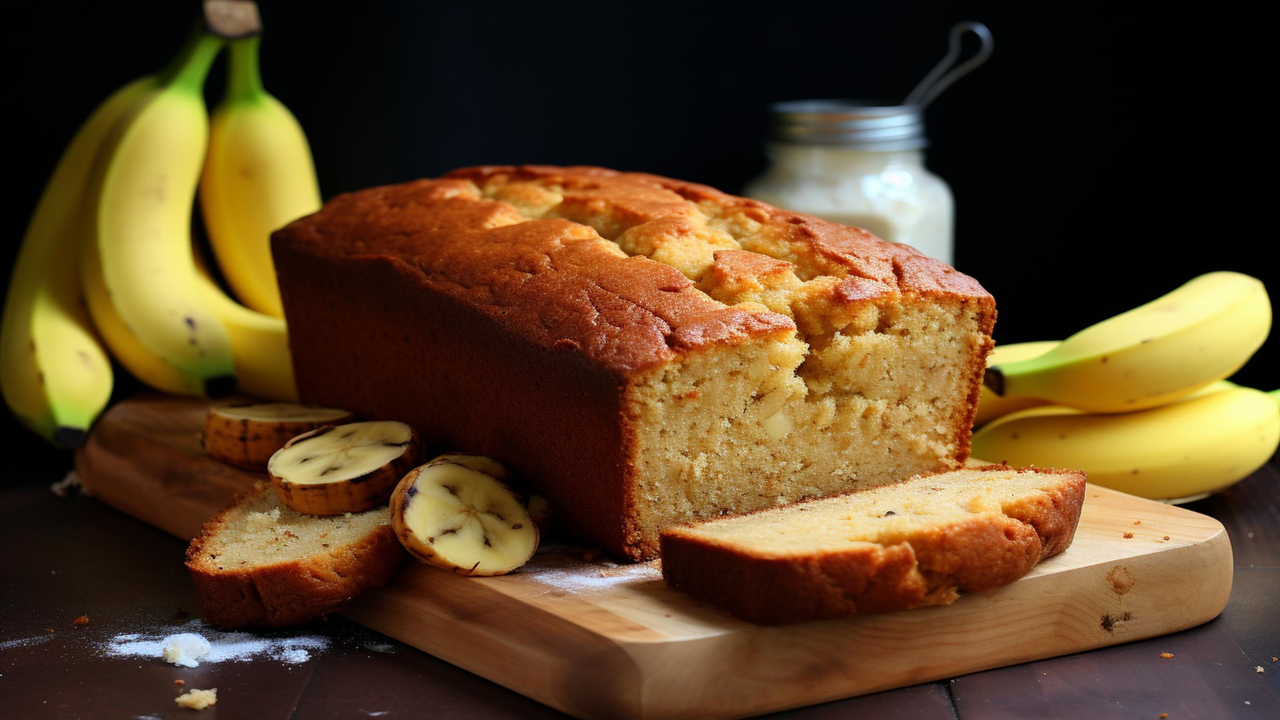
x: 61, y: 558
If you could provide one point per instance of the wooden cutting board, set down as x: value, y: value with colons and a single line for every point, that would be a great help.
x: 599, y: 640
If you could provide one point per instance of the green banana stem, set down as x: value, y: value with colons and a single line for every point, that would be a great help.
x: 245, y: 80
x: 190, y: 68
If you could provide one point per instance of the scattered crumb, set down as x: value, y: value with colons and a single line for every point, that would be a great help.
x: 1167, y: 656
x: 194, y: 699
x: 1164, y: 715
x: 1260, y: 669
x: 1274, y: 659
x: 49, y: 630
x: 179, y: 682
x: 1166, y: 537
x: 81, y: 621
x: 1137, y: 522
x: 185, y: 649
x: 1128, y: 535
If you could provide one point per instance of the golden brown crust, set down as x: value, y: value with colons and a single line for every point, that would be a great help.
x: 559, y: 283
x: 292, y: 592
x: 553, y: 281
x: 973, y: 555
x: 636, y: 198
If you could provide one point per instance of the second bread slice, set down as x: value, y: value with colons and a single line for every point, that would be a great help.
x: 260, y: 563
x: 915, y: 543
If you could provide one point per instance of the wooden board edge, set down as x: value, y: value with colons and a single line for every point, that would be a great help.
x: 1211, y: 589
x: 544, y: 656
x: 614, y: 670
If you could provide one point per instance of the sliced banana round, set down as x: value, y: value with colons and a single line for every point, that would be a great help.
x: 344, y: 468
x: 247, y: 435
x: 455, y: 513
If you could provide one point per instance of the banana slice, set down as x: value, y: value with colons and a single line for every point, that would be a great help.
x: 347, y: 468
x: 455, y: 513
x: 248, y: 435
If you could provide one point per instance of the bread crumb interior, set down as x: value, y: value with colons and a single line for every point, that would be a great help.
x: 885, y: 515
x: 261, y: 531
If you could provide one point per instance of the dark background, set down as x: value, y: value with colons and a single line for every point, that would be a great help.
x: 1103, y: 157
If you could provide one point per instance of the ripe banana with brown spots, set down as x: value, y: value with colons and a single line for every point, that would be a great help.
x: 456, y: 513
x: 344, y: 468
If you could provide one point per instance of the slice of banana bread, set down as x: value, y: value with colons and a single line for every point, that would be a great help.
x: 260, y: 563
x: 918, y: 542
x: 644, y: 351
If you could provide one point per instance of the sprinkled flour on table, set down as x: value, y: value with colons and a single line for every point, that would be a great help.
x: 69, y: 485
x: 223, y: 646
x: 24, y: 642
x: 573, y: 576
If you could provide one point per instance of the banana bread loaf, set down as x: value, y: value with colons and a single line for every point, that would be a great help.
x: 918, y: 542
x: 643, y: 351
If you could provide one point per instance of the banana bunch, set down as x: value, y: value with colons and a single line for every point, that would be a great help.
x: 1140, y: 401
x: 1151, y: 355
x: 108, y: 264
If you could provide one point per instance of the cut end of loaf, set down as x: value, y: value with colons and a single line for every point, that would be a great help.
x: 918, y: 542
x: 876, y: 382
x: 758, y: 425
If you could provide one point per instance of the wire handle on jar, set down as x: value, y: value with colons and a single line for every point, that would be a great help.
x: 943, y: 74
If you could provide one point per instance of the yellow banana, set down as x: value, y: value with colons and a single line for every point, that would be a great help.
x: 260, y: 344
x: 127, y: 350
x: 259, y: 176
x: 1151, y: 355
x: 55, y: 375
x: 1181, y: 450
x: 138, y: 271
x: 991, y: 405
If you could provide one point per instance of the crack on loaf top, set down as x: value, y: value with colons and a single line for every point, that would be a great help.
x: 522, y: 243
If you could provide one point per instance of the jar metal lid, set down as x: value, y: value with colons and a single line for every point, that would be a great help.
x: 849, y: 123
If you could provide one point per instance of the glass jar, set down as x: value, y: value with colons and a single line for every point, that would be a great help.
x: 860, y: 165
